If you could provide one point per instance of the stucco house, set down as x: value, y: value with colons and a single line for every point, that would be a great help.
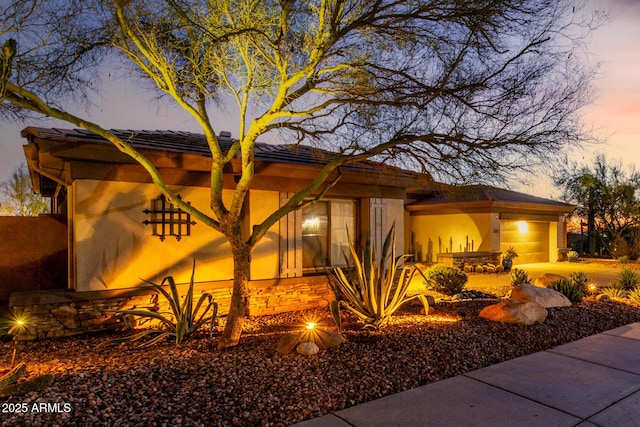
x: 119, y: 230
x: 459, y: 222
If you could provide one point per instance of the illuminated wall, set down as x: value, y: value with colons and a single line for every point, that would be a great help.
x: 531, y: 240
x: 114, y: 249
x: 457, y: 228
x: 265, y: 263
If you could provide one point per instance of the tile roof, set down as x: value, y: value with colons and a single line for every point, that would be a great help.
x: 195, y: 143
x: 483, y: 193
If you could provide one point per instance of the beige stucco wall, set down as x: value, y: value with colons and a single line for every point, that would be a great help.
x: 477, y: 228
x: 265, y: 260
x: 395, y: 214
x: 113, y: 249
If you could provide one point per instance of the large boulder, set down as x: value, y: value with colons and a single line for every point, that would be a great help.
x: 509, y: 311
x: 546, y: 279
x: 545, y: 297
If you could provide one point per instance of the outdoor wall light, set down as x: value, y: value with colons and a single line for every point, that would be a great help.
x: 523, y: 226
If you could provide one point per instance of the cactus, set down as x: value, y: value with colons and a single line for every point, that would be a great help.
x: 570, y: 289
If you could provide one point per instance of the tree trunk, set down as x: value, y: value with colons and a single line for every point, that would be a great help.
x: 239, y: 308
x: 591, y: 232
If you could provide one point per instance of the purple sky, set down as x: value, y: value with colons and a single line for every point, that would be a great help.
x: 614, y: 115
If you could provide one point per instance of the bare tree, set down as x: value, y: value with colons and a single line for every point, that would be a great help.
x: 462, y: 90
x: 17, y: 197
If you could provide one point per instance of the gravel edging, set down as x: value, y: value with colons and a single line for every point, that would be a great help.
x: 252, y: 385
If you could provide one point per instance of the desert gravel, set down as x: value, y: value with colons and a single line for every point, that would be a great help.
x: 252, y: 385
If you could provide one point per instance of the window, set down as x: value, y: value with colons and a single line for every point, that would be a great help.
x: 324, y: 233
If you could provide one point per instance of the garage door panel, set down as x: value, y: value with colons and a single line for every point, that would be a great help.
x: 532, y: 244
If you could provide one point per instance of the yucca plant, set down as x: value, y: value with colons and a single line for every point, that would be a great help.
x: 184, y: 319
x: 634, y: 294
x: 628, y: 279
x: 614, y: 291
x: 372, y: 290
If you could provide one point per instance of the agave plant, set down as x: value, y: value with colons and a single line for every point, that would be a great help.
x: 517, y: 277
x: 184, y: 318
x: 9, y: 385
x: 372, y: 290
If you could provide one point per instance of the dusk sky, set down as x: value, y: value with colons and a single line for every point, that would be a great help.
x: 614, y: 114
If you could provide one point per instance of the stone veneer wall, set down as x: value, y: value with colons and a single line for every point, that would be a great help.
x: 471, y: 258
x: 63, y: 313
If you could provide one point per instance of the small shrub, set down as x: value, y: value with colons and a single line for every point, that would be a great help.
x: 614, y: 291
x: 634, y: 294
x: 468, y: 269
x: 623, y: 259
x: 445, y: 279
x: 627, y: 279
x: 581, y: 280
x: 517, y: 277
x: 499, y: 269
x: 510, y: 253
x: 479, y: 269
x: 569, y: 288
x: 490, y: 269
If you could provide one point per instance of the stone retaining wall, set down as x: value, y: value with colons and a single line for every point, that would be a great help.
x: 472, y: 258
x: 61, y: 313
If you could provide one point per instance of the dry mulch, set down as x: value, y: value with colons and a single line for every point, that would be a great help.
x: 252, y: 385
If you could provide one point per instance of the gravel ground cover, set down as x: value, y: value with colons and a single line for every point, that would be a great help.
x: 252, y: 385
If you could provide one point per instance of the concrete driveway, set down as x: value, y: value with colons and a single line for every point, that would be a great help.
x: 599, y: 272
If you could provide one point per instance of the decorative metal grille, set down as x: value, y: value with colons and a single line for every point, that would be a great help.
x: 167, y: 219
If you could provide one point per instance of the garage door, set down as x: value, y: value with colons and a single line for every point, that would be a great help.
x: 529, y: 238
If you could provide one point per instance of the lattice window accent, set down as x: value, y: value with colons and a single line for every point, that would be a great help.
x: 167, y: 219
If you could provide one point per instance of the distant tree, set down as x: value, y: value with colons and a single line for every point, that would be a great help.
x: 608, y: 197
x: 464, y: 90
x: 17, y: 197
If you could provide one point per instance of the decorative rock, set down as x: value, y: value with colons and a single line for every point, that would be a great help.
x: 546, y: 279
x: 287, y: 343
x: 308, y: 348
x: 509, y: 311
x: 545, y: 297
x: 326, y: 339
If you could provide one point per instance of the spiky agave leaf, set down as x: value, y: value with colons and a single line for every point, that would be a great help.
x: 184, y: 314
x: 373, y: 294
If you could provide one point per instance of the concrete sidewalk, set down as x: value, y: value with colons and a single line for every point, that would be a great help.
x: 594, y: 381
